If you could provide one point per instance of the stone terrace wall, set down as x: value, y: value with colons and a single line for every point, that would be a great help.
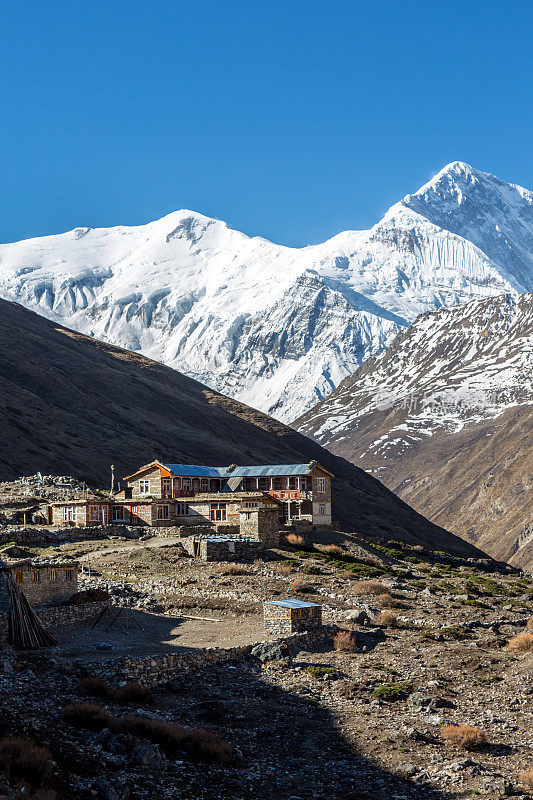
x: 158, y: 669
x: 59, y: 617
x: 39, y: 535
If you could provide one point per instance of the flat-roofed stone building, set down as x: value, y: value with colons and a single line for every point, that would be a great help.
x: 282, y: 617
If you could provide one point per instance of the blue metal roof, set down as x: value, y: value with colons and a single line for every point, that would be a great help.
x: 238, y: 472
x: 290, y: 603
x: 195, y: 472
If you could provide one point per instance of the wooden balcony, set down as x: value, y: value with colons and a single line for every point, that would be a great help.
x: 290, y: 494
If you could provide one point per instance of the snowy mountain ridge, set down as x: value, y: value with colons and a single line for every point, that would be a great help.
x: 452, y: 368
x: 278, y: 327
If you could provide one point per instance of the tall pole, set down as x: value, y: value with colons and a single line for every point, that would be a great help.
x: 112, y: 479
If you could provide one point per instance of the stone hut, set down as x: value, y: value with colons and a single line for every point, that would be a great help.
x: 260, y: 523
x: 223, y: 548
x: 283, y: 617
x: 43, y: 583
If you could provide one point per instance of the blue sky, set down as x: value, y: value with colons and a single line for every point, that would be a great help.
x: 289, y: 120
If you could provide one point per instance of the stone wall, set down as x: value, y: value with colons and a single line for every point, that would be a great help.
x: 44, y: 584
x: 157, y: 670
x: 41, y: 535
x: 53, y: 618
x: 262, y: 524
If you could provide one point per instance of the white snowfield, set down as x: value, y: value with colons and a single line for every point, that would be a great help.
x: 452, y: 368
x: 278, y: 327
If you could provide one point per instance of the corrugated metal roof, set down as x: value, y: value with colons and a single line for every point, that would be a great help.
x: 290, y: 603
x: 238, y: 472
x: 195, y: 472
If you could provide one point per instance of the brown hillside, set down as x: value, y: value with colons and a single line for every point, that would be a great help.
x: 71, y: 404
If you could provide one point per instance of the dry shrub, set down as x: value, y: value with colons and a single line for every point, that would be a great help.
x: 523, y: 643
x: 131, y: 692
x: 387, y: 601
x: 284, y: 569
x: 24, y: 760
x: 198, y: 743
x: 333, y: 550
x: 529, y: 623
x: 295, y: 540
x: 302, y: 586
x: 387, y: 619
x: 369, y: 587
x: 232, y: 569
x: 348, y: 689
x: 466, y: 736
x: 527, y: 778
x: 344, y: 641
x: 86, y: 715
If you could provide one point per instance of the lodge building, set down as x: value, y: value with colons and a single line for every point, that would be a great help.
x: 160, y: 494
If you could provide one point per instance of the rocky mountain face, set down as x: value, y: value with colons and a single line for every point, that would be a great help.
x: 278, y: 327
x: 73, y: 405
x: 444, y: 417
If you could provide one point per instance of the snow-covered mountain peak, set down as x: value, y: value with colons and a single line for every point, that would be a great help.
x: 278, y: 327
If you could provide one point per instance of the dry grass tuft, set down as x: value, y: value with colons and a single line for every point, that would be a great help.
x: 198, y: 743
x: 369, y: 587
x: 527, y: 778
x: 333, y: 550
x: 24, y: 760
x: 131, y: 692
x: 387, y: 619
x: 232, y: 569
x: 344, y: 641
x: 466, y: 736
x: 284, y: 569
x: 302, y: 586
x: 386, y: 601
x: 523, y: 643
x: 529, y: 623
x: 295, y: 540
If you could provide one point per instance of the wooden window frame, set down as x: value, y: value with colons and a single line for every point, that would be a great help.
x: 163, y: 512
x: 218, y: 512
x: 144, y: 486
x: 69, y: 574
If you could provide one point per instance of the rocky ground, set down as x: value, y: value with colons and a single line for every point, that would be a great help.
x: 427, y: 647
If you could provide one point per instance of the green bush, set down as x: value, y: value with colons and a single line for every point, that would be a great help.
x: 319, y: 671
x: 393, y: 691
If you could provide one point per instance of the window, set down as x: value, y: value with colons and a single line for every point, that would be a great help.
x: 144, y: 487
x: 94, y: 514
x: 205, y: 485
x: 182, y: 509
x: 250, y: 504
x: 69, y: 513
x: 166, y: 486
x: 292, y: 483
x: 36, y: 576
x: 218, y: 512
x: 162, y: 512
x: 68, y: 574
x: 321, y: 484
x: 278, y: 484
x: 19, y: 576
x: 322, y: 510
x: 118, y: 513
x: 186, y: 484
x: 53, y: 576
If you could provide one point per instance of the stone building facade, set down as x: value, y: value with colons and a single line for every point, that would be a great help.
x: 41, y: 583
x: 282, y: 617
x: 260, y: 523
x: 223, y: 548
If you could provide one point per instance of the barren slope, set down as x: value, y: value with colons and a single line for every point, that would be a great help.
x: 445, y: 418
x: 71, y: 404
